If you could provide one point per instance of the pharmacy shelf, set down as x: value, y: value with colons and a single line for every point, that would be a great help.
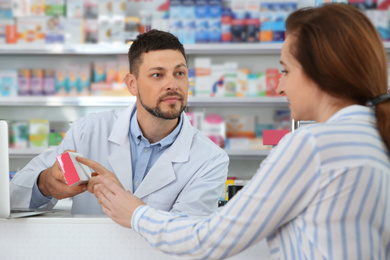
x: 247, y: 154
x: 59, y: 49
x: 237, y: 101
x: 102, y: 101
x: 117, y: 49
x: 233, y: 48
x: 38, y: 101
x: 233, y: 154
x: 26, y: 153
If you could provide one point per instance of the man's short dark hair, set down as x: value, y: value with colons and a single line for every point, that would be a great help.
x: 151, y: 41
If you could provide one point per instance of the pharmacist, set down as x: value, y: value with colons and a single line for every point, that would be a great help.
x: 151, y: 149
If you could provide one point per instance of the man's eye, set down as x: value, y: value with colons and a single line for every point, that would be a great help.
x: 284, y: 72
x: 156, y: 75
x: 180, y: 73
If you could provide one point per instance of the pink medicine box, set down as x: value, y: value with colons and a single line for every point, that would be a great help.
x: 272, y: 137
x: 75, y: 173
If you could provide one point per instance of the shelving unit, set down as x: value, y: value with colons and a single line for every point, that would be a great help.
x: 118, y: 49
x: 127, y: 100
x: 233, y: 154
x: 55, y: 108
x: 54, y: 101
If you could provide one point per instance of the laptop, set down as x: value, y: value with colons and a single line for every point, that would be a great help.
x: 5, y: 205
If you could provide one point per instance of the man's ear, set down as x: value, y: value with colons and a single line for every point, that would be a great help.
x: 131, y: 83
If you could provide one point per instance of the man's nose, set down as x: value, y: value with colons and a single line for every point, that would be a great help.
x: 171, y: 83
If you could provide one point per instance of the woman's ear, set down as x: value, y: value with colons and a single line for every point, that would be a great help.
x: 131, y: 83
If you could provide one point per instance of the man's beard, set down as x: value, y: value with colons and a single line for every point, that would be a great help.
x: 157, y: 112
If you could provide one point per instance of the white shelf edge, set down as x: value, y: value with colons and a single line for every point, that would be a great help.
x: 117, y: 48
x: 67, y: 101
x: 108, y: 49
x: 122, y: 49
x: 233, y: 48
x: 233, y: 154
x: 102, y: 101
x: 247, y: 154
x: 56, y: 49
x: 15, y: 153
x: 236, y: 101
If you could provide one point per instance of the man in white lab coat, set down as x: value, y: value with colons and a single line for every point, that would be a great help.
x: 151, y: 147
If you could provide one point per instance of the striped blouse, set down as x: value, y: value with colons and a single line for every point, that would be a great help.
x: 322, y: 193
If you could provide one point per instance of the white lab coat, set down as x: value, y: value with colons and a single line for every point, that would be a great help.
x: 188, y: 177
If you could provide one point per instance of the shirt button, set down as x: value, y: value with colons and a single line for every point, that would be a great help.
x: 146, y: 150
x: 136, y: 183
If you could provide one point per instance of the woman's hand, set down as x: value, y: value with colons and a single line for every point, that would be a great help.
x: 116, y: 202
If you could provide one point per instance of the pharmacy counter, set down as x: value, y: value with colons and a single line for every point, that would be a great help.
x: 65, y: 236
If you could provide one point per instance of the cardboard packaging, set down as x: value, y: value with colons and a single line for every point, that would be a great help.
x: 75, y: 173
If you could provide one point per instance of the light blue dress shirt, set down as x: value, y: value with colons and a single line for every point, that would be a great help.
x: 143, y: 153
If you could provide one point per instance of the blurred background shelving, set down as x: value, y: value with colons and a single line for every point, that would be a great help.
x: 255, y: 57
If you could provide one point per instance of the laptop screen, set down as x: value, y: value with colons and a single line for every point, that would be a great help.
x: 4, y: 171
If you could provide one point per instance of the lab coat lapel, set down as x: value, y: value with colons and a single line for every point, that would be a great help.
x: 120, y: 157
x: 162, y: 173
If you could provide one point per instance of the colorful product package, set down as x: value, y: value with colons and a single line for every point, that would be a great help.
x: 73, y: 79
x: 31, y: 30
x: 74, y: 9
x: 214, y: 128
x: 4, y: 23
x: 55, y: 7
x: 61, y: 82
x: 242, y: 82
x: 104, y: 29
x: 74, y: 31
x: 272, y: 81
x: 202, y: 76
x: 84, y: 79
x: 75, y: 173
x: 226, y: 24
x: 230, y: 79
x: 256, y: 85
x: 55, y: 30
x: 8, y: 83
x: 21, y: 8
x: 240, y: 126
x: 217, y: 80
x: 18, y: 135
x: 214, y: 20
x: 24, y: 76
x: 39, y: 133
x: 36, y: 82
x: 117, y: 24
x: 91, y: 30
x: 201, y: 16
x: 49, y: 82
x: 252, y: 20
x: 38, y: 7
x: 238, y: 21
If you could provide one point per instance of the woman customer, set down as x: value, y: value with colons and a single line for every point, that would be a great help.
x: 323, y: 192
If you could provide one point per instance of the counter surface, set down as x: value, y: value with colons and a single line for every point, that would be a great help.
x: 61, y: 235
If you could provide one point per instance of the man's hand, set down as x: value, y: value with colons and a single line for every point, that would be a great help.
x: 98, y: 170
x: 116, y: 202
x: 52, y: 182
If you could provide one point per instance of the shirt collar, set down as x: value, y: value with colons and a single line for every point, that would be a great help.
x: 354, y: 112
x: 137, y: 135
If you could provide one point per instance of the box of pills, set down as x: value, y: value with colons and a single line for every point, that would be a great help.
x: 75, y: 173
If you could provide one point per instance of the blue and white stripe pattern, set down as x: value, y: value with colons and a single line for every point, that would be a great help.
x: 322, y: 193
